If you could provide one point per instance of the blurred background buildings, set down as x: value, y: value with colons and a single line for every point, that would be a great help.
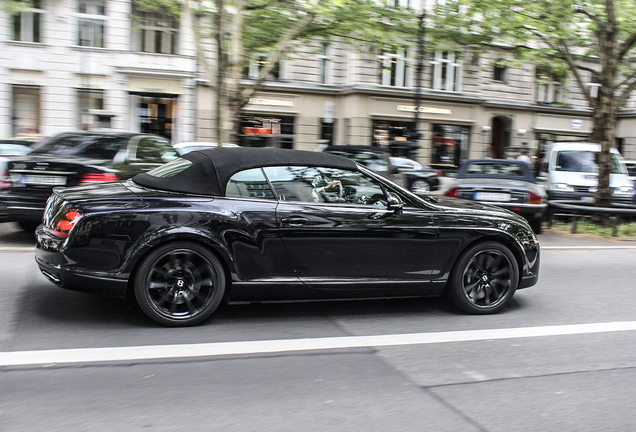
x: 94, y: 64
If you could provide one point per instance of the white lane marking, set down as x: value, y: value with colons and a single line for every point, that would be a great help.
x: 153, y: 352
x: 586, y: 247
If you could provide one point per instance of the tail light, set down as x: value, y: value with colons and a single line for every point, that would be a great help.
x: 533, y: 198
x: 5, y: 182
x: 453, y: 192
x: 98, y: 178
x: 64, y: 222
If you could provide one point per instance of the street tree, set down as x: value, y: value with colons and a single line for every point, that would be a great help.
x: 577, y: 37
x: 242, y: 30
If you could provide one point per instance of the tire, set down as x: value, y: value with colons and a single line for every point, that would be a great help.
x: 484, y: 279
x: 420, y: 187
x: 179, y: 284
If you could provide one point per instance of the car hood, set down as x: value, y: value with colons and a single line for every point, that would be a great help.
x: 588, y: 179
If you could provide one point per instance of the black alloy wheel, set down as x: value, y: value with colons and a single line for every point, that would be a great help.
x: 179, y: 284
x: 484, y: 279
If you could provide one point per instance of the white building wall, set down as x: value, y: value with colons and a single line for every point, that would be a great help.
x: 62, y: 67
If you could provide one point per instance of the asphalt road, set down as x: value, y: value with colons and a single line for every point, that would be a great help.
x: 562, y: 357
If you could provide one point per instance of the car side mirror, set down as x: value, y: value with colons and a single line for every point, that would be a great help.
x: 542, y: 178
x: 393, y: 204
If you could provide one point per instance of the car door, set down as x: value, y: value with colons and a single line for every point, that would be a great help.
x: 348, y: 234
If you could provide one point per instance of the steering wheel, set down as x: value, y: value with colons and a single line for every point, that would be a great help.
x: 340, y: 190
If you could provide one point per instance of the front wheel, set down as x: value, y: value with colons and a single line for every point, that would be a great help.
x: 484, y: 279
x: 179, y: 284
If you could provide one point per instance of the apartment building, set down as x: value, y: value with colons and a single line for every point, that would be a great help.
x: 87, y: 64
x: 471, y: 106
x: 90, y: 64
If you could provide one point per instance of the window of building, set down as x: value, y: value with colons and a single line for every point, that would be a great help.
x: 88, y: 100
x: 91, y: 23
x: 385, y: 132
x: 28, y: 22
x: 326, y: 64
x: 327, y: 129
x: 549, y: 86
x: 157, y: 115
x: 447, y: 72
x: 154, y: 32
x: 450, y: 146
x: 393, y: 69
x: 254, y: 68
x: 267, y: 131
x: 499, y: 73
x: 595, y: 85
x: 26, y: 110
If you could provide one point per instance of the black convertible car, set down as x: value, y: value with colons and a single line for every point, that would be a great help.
x: 239, y: 224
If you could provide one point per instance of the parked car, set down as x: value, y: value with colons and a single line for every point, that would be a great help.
x: 75, y: 158
x: 505, y: 183
x: 419, y: 181
x: 277, y: 224
x: 630, y: 165
x: 187, y: 147
x: 571, y: 173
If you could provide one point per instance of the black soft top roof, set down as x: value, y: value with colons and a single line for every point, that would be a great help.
x: 211, y: 169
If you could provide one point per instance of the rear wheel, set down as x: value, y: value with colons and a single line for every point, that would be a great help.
x: 484, y: 278
x: 179, y: 284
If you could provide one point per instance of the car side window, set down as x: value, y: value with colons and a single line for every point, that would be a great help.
x: 322, y: 184
x: 250, y: 183
x: 147, y: 151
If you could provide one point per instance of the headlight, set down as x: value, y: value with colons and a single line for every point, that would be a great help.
x: 624, y: 190
x: 561, y: 187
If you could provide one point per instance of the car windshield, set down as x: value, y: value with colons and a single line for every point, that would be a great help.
x: 584, y: 161
x: 80, y: 145
x: 495, y: 169
x: 372, y: 160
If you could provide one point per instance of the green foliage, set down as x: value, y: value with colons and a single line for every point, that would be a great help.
x: 587, y: 227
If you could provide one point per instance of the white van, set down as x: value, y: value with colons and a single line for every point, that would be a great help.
x: 571, y: 173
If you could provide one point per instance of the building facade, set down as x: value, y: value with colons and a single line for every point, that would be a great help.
x: 471, y: 106
x: 92, y: 64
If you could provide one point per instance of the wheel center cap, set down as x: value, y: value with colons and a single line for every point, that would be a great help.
x: 484, y: 278
x: 180, y: 283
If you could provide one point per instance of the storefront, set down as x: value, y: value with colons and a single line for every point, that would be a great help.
x: 449, y: 147
x: 155, y: 105
x: 387, y: 131
x: 259, y: 130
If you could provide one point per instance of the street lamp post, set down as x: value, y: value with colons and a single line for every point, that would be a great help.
x: 416, y: 135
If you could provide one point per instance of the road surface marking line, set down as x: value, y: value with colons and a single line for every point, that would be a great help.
x: 586, y: 247
x: 153, y: 352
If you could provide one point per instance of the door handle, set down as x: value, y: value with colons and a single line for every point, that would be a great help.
x: 295, y: 221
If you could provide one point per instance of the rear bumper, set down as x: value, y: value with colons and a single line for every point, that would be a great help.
x: 61, y: 269
x: 18, y: 210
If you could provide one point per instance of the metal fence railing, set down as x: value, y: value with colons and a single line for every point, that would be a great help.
x: 578, y: 210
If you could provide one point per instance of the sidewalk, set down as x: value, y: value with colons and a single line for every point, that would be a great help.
x: 551, y: 238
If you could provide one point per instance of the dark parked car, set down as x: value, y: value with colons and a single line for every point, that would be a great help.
x: 76, y: 158
x: 413, y: 176
x: 505, y: 183
x: 249, y: 224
